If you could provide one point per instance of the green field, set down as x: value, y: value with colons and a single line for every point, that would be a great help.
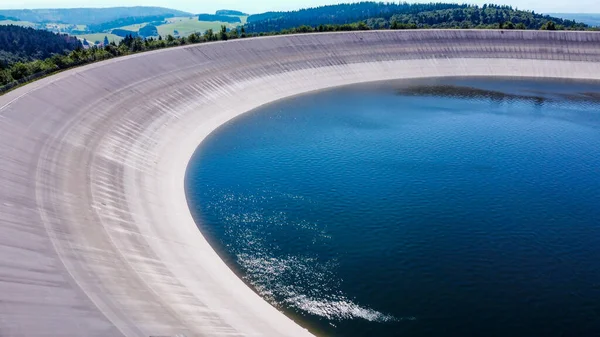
x: 187, y: 25
x: 100, y: 37
x: 184, y: 25
x: 51, y: 26
x: 134, y: 28
x: 180, y: 18
x: 63, y: 27
x: 17, y: 23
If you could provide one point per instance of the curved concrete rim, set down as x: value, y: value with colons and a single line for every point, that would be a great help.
x: 98, y: 238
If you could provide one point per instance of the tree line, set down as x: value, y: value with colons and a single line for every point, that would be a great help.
x: 230, y: 12
x: 21, y: 72
x: 344, y: 13
x: 219, y: 17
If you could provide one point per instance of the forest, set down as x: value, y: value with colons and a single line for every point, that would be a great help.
x: 379, y: 15
x: 18, y: 44
x: 348, y: 12
x: 221, y: 18
x: 230, y: 12
x: 147, y: 31
x: 124, y: 32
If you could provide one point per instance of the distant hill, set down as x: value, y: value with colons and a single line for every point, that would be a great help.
x: 221, y: 18
x: 230, y: 12
x: 18, y: 44
x: 383, y: 15
x: 592, y: 19
x: 10, y: 18
x: 105, y: 26
x: 347, y: 13
x: 88, y: 16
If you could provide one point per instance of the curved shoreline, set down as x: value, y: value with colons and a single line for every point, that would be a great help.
x: 94, y: 159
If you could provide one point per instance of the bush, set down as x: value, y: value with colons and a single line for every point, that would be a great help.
x: 5, y: 77
x: 548, y: 26
x: 19, y: 71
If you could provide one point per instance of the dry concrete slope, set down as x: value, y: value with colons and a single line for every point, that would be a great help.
x: 96, y: 238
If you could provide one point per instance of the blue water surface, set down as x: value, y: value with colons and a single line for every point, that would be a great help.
x: 448, y: 207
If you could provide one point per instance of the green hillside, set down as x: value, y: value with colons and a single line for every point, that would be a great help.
x: 93, y: 24
x: 18, y: 23
x: 129, y: 21
x: 99, y: 37
x: 185, y: 26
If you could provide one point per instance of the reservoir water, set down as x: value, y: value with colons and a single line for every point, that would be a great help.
x: 448, y: 207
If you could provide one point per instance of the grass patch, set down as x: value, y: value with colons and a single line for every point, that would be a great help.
x: 134, y: 27
x: 100, y: 37
x: 185, y: 25
x: 18, y: 23
x: 188, y: 25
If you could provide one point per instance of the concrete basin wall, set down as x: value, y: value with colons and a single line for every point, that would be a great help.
x: 96, y: 238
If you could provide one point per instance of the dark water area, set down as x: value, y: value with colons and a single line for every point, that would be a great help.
x: 450, y: 207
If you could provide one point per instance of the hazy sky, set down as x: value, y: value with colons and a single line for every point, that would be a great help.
x: 257, y: 6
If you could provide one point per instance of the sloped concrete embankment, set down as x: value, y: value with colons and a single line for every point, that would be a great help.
x: 96, y: 238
